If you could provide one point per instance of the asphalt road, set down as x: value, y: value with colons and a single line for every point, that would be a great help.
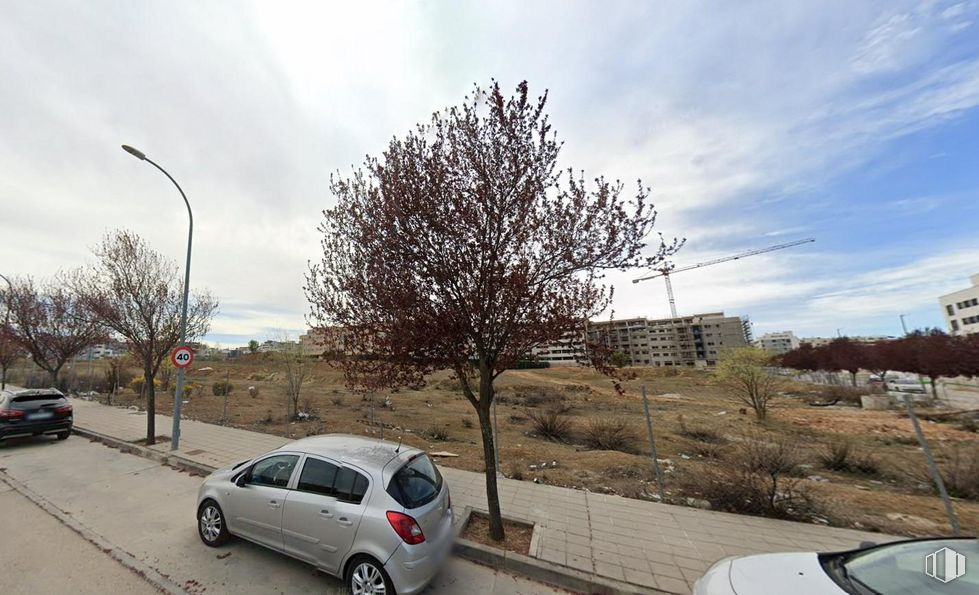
x: 41, y: 555
x: 147, y: 510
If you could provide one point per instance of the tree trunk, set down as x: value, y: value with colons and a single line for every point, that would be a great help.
x: 934, y: 388
x: 150, y: 406
x: 54, y: 376
x: 489, y: 450
x: 853, y: 379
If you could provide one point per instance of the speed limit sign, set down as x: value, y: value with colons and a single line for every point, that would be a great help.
x: 182, y: 356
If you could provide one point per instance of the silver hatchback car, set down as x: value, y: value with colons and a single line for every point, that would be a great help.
x: 374, y: 513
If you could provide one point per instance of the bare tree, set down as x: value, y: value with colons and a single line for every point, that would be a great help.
x: 745, y: 372
x: 292, y: 357
x: 464, y: 246
x: 49, y: 322
x: 137, y: 292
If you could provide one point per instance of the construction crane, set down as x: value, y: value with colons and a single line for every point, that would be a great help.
x: 669, y: 269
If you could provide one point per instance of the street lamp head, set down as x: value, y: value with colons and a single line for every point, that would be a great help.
x: 134, y: 152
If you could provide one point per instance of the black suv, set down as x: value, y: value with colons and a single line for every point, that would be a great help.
x: 34, y: 412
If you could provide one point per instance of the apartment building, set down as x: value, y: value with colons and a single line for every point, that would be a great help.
x: 778, y: 343
x: 688, y: 341
x: 961, y: 309
x: 569, y: 351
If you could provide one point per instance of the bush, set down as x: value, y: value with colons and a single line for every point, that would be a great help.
x: 552, y: 426
x: 700, y: 434
x: 758, y: 480
x: 137, y: 384
x: 467, y: 422
x: 437, y: 434
x: 337, y: 401
x: 609, y: 434
x: 221, y: 388
x: 961, y: 472
x: 840, y: 456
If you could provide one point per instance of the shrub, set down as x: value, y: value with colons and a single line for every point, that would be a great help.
x: 758, y: 480
x: 253, y: 391
x: 700, y: 434
x: 137, y: 385
x: 841, y: 456
x: 337, y: 401
x: 221, y: 388
x: 467, y: 422
x: 545, y: 398
x: 551, y: 426
x: 961, y: 472
x: 437, y: 434
x: 516, y: 471
x: 835, y: 393
x: 836, y: 456
x: 609, y: 434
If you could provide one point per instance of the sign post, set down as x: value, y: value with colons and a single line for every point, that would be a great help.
x: 181, y: 358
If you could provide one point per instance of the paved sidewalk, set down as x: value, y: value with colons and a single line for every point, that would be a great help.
x: 650, y: 545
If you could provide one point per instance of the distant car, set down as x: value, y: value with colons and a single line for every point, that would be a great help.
x: 929, y: 566
x: 905, y: 386
x: 35, y: 412
x: 374, y: 513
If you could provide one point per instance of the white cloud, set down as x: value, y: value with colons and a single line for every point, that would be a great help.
x: 251, y: 107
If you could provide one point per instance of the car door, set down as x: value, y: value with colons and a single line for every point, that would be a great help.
x: 256, y: 506
x: 322, y: 514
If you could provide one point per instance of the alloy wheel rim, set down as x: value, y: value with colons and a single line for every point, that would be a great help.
x: 367, y: 580
x: 211, y: 523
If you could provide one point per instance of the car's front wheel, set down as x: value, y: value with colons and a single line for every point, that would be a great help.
x: 365, y: 576
x: 210, y: 524
x: 63, y: 435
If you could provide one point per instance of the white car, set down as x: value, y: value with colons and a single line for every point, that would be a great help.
x: 933, y: 566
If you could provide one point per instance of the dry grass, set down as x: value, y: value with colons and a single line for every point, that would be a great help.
x: 517, y: 535
x: 706, y: 410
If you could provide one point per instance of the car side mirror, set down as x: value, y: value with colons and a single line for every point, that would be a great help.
x: 240, y: 480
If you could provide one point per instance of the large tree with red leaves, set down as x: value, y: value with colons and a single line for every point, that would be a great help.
x: 464, y: 246
x: 50, y: 322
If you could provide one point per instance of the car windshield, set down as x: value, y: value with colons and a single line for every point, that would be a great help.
x: 417, y: 483
x: 934, y: 566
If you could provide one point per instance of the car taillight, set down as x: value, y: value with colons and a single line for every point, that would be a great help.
x: 11, y: 414
x: 406, y: 527
x: 63, y: 410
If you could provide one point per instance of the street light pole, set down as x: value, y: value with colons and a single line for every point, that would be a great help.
x: 179, y: 391
x: 903, y: 325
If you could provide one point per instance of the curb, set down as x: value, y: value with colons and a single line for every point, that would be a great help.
x: 164, y: 458
x: 541, y: 570
x: 147, y: 573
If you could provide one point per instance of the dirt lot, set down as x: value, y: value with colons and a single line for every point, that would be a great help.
x: 698, y: 431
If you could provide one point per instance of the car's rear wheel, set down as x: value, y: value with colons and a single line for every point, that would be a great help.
x: 210, y: 524
x: 365, y: 576
x: 63, y: 435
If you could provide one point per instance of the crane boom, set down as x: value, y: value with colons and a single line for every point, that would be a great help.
x: 669, y: 270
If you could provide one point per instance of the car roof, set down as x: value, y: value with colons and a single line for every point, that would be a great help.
x: 367, y: 453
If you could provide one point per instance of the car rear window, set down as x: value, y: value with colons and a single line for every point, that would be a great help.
x: 29, y: 398
x: 417, y: 483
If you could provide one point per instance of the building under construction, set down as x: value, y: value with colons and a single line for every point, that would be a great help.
x: 686, y: 341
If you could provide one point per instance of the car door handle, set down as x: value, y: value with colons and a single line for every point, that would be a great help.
x: 326, y: 514
x: 343, y: 521
x: 274, y: 504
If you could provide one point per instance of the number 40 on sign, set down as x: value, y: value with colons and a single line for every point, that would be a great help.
x: 182, y: 356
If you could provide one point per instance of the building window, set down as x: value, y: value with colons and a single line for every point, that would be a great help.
x: 950, y: 309
x: 955, y: 325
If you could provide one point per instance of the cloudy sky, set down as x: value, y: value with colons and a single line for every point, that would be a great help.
x: 755, y: 123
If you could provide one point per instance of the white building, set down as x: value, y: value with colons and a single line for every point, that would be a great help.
x: 779, y: 342
x: 961, y: 309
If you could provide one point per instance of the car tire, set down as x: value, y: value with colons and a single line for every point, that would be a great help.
x: 363, y: 571
x: 63, y: 435
x: 211, y: 527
